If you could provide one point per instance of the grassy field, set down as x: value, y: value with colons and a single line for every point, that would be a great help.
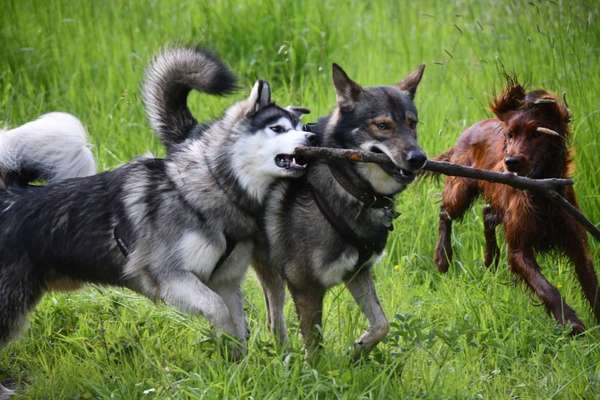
x: 473, y: 333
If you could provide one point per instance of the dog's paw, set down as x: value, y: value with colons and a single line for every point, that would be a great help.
x: 360, y: 350
x: 5, y: 393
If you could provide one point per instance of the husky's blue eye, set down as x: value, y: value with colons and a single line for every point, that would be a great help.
x: 277, y: 128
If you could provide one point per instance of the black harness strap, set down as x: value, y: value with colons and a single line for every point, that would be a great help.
x: 121, y: 242
x: 361, y: 191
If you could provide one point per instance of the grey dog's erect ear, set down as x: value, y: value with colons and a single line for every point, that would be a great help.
x: 346, y: 90
x: 260, y: 96
x: 411, y: 82
x: 298, y: 111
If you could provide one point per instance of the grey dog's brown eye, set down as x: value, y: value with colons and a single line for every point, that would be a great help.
x: 382, y: 126
x: 277, y: 128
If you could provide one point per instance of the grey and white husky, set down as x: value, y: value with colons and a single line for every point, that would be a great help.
x: 331, y: 225
x: 178, y: 229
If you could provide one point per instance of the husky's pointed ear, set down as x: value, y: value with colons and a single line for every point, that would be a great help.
x: 412, y: 80
x: 298, y: 112
x: 260, y: 96
x: 346, y: 90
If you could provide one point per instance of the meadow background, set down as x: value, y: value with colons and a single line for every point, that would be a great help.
x: 473, y: 333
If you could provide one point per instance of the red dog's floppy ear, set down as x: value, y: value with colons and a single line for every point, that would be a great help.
x: 510, y: 99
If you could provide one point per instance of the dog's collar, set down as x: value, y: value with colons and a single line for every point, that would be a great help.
x: 366, y: 248
x: 360, y: 189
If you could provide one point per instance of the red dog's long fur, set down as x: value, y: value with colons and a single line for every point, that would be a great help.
x: 513, y: 141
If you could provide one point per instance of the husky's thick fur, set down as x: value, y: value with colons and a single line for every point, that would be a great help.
x: 330, y: 226
x: 54, y: 147
x: 178, y: 229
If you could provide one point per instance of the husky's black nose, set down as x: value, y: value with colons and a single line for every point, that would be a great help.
x: 416, y: 159
x: 312, y: 139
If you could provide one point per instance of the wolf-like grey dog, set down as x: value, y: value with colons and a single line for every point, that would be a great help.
x: 330, y: 226
x: 178, y: 229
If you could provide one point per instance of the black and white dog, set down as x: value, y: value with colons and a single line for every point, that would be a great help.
x: 178, y: 229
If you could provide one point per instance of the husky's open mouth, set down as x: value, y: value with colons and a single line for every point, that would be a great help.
x: 290, y: 162
x: 399, y: 174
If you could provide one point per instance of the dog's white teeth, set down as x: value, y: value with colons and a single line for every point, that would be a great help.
x: 295, y: 165
x: 287, y: 161
x: 300, y: 161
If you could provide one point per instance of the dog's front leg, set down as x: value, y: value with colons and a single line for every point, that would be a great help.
x: 274, y: 290
x: 183, y: 290
x: 234, y: 299
x: 363, y: 290
x: 522, y: 262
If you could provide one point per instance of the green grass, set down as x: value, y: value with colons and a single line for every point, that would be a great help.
x: 472, y: 333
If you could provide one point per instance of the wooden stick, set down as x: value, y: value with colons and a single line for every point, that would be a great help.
x: 547, y: 187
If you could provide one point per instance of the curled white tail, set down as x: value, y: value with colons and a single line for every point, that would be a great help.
x: 53, y: 147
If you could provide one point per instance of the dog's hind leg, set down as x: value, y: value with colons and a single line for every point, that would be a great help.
x: 309, y: 306
x: 490, y: 222
x: 363, y: 290
x: 443, y: 249
x: 457, y: 197
x: 20, y: 290
x: 274, y: 289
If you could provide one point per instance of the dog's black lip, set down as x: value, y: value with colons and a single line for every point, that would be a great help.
x: 404, y: 175
x: 399, y: 174
x: 290, y: 162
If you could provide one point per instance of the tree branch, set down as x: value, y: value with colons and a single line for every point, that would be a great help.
x: 547, y: 187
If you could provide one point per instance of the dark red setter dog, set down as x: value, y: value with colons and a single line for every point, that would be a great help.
x: 529, y: 137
